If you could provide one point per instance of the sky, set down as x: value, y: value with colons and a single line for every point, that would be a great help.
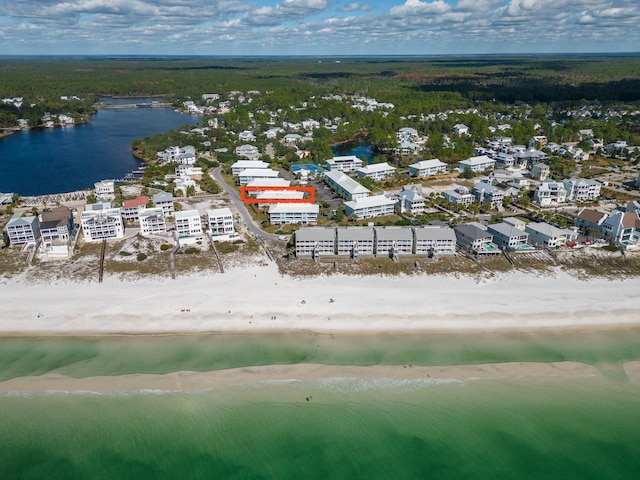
x: 317, y: 27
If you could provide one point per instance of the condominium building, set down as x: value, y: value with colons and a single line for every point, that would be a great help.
x: 347, y: 163
x: 434, y: 240
x: 370, y: 207
x: 315, y: 242
x: 345, y: 186
x: 188, y: 223
x: 355, y: 241
x: 289, y: 213
x: 105, y: 189
x: 394, y: 241
x: 131, y: 208
x: 152, y: 221
x: 426, y: 168
x: 376, y: 171
x: 165, y: 201
x: 478, y: 164
x: 220, y: 221
x: 241, y: 165
x: 250, y: 174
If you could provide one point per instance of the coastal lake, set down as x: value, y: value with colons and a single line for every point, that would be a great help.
x: 58, y: 160
x: 546, y: 427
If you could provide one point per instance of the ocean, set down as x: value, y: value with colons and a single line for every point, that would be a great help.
x: 583, y: 427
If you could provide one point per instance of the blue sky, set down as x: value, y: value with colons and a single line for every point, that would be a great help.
x: 317, y: 27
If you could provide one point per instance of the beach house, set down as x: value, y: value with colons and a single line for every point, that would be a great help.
x: 165, y: 201
x: 460, y: 196
x: 131, y: 208
x: 427, y: 168
x: 434, y: 240
x: 393, y: 241
x: 508, y: 236
x: 56, y: 225
x: 189, y: 226
x: 105, y: 189
x: 220, y: 223
x: 540, y: 171
x: 247, y: 151
x: 475, y: 240
x: 369, y: 207
x: 355, y: 241
x: 152, y: 221
x: 22, y: 230
x: 410, y: 202
x: 487, y: 193
x: 315, y: 242
x: 581, y: 189
x: 102, y: 224
x: 549, y: 193
x: 622, y: 228
x: 548, y: 236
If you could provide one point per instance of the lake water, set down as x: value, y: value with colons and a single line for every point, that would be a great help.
x: 43, y: 161
x: 357, y: 148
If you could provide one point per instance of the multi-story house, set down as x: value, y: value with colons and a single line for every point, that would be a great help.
x: 315, y: 242
x: 427, y: 168
x: 152, y: 221
x: 102, y: 224
x: 377, y: 171
x: 549, y: 193
x: 22, y: 230
x: 370, y: 207
x: 290, y: 213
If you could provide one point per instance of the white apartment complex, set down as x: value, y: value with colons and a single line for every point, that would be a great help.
x: 370, y: 207
x: 426, y: 168
x: 152, y: 221
x: 347, y: 163
x: 188, y: 223
x: 220, y: 221
x: 289, y: 213
x: 377, y: 171
x: 102, y: 224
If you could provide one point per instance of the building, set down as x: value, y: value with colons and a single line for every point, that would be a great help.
x: 345, y: 186
x: 475, y: 240
x: 369, y: 207
x: 549, y: 193
x: 220, y: 222
x: 478, y: 164
x: 590, y: 219
x: 540, y: 171
x: 241, y: 165
x: 426, y: 168
x: 152, y: 221
x: 22, y: 230
x: 581, y: 189
x: 289, y: 213
x: 377, y: 171
x: 105, y: 189
x: 460, y: 129
x: 268, y: 182
x: 347, y: 163
x: 487, y: 193
x: 434, y: 240
x: 247, y: 151
x: 459, y: 196
x: 355, y: 241
x: 410, y: 202
x: 189, y: 225
x: 56, y: 224
x: 250, y: 174
x: 508, y: 236
x: 393, y: 241
x: 548, y: 236
x: 315, y: 242
x: 131, y: 208
x: 269, y: 197
x: 165, y: 201
x: 102, y: 224
x: 623, y: 228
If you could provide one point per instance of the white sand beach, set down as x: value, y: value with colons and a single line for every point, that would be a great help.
x: 259, y: 299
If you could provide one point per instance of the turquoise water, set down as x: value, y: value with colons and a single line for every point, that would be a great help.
x: 582, y: 427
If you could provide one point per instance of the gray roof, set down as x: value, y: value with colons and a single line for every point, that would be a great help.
x: 435, y: 233
x: 472, y: 231
x: 355, y: 233
x: 394, y: 233
x: 506, y: 230
x: 315, y: 234
x: 162, y: 197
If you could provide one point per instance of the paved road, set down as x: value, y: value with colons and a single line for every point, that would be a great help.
x: 242, y: 208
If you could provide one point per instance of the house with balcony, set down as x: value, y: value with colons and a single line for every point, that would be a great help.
x: 370, y: 207
x: 479, y: 164
x: 189, y: 226
x: 152, y: 221
x: 314, y: 242
x: 393, y: 241
x: 508, y: 236
x: 540, y: 171
x: 581, y: 189
x: 242, y: 165
x: 131, y: 208
x: 547, y: 236
x: 102, y: 224
x: 623, y: 228
x: 475, y: 240
x: 354, y: 242
x: 487, y: 193
x: 247, y: 176
x: 460, y: 196
x: 105, y: 189
x: 588, y: 218
x: 427, y: 168
x: 22, y: 230
x: 377, y: 171
x: 434, y: 240
x: 220, y: 223
x: 550, y: 194
x: 165, y: 201
x: 250, y: 152
x: 293, y: 213
x: 345, y: 163
x: 410, y: 202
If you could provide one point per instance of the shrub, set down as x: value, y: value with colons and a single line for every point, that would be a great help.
x: 164, y: 247
x: 141, y: 257
x: 125, y: 254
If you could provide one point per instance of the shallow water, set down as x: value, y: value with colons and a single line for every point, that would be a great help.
x: 535, y: 427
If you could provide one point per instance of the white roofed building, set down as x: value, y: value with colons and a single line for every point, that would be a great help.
x: 410, y: 202
x: 241, y: 165
x: 152, y: 221
x: 376, y: 171
x: 477, y: 164
x: 346, y: 163
x: 220, y: 222
x: 188, y: 224
x: 426, y: 168
x: 102, y: 224
x: 250, y: 174
x: 105, y: 189
x: 370, y: 207
x: 290, y: 213
x: 345, y: 186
